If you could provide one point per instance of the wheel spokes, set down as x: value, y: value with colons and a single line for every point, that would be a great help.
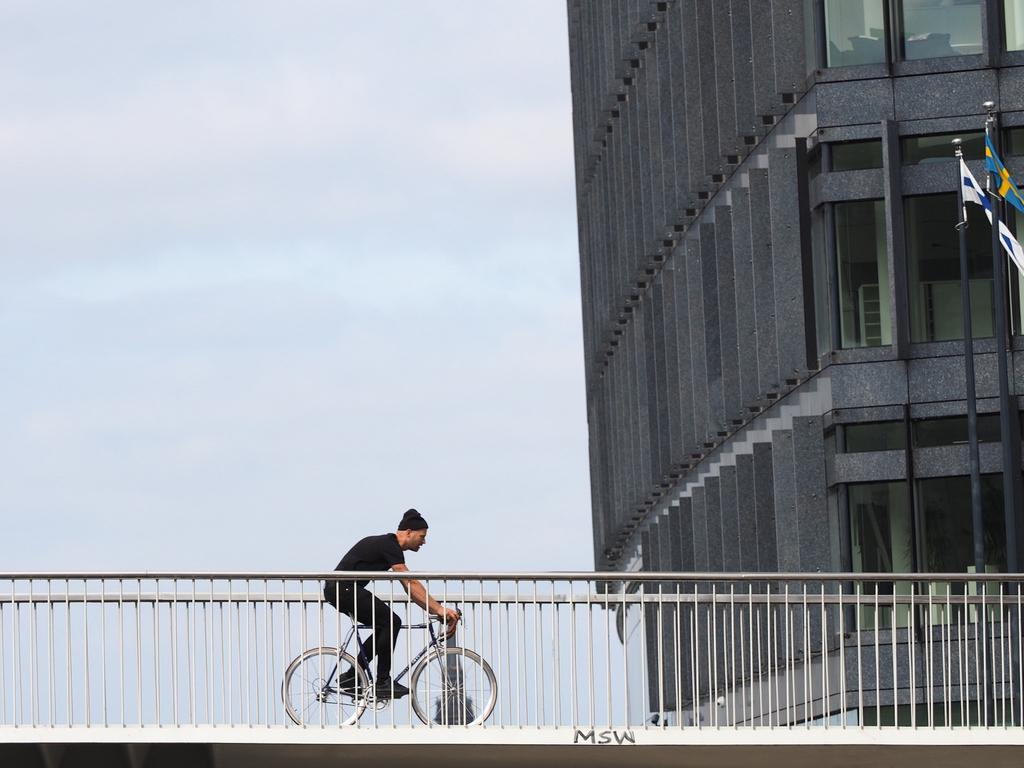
x: 311, y: 700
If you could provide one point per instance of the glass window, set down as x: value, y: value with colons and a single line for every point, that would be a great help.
x: 937, y: 714
x: 810, y: 49
x: 822, y: 310
x: 1014, y: 140
x: 936, y: 28
x: 879, y: 436
x: 938, y: 146
x: 1013, y: 11
x: 863, y: 269
x: 945, y: 504
x: 814, y: 162
x: 880, y: 528
x: 855, y: 31
x: 881, y: 542
x: 856, y: 155
x: 952, y: 430
x: 1014, y: 276
x: 933, y: 256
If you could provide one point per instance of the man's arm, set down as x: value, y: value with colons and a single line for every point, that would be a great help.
x: 419, y: 595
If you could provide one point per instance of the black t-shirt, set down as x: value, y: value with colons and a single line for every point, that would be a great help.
x: 374, y: 553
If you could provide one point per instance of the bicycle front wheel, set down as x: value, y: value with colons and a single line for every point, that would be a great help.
x: 312, y: 694
x: 454, y: 686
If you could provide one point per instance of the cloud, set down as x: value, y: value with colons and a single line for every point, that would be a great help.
x: 270, y: 275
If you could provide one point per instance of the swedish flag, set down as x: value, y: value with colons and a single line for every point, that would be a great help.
x: 1007, y: 189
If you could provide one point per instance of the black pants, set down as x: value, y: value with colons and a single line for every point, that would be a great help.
x: 358, y: 602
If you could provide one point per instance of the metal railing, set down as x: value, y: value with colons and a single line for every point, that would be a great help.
x: 591, y: 651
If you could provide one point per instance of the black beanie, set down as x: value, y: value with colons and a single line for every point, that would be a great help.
x: 412, y: 521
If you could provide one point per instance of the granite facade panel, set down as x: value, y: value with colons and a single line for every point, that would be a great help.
x: 676, y: 272
x: 674, y: 536
x: 713, y: 520
x: 854, y: 185
x: 640, y: 406
x: 931, y: 179
x: 698, y: 350
x: 811, y: 494
x: 764, y: 283
x: 787, y: 533
x: 620, y: 238
x: 869, y: 384
x: 954, y: 460
x: 694, y: 108
x: 667, y: 128
x: 1011, y: 89
x: 766, y: 100
x: 687, y: 552
x: 943, y: 95
x: 730, y: 524
x: 732, y: 405
x: 712, y: 329
x: 944, y: 378
x: 656, y: 162
x: 652, y: 386
x: 612, y: 439
x: 631, y: 171
x: 764, y: 507
x: 661, y: 392
x: 652, y: 223
x: 666, y: 536
x: 854, y: 102
x: 699, y: 519
x: 743, y: 68
x: 746, y: 315
x: 870, y: 466
x: 788, y: 34
x: 786, y: 261
x: 651, y: 554
x: 725, y: 80
x: 709, y: 93
x: 629, y: 448
x: 673, y: 393
x: 680, y: 114
x: 746, y: 512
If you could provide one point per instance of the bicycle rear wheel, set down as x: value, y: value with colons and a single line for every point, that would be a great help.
x: 453, y: 687
x: 311, y: 693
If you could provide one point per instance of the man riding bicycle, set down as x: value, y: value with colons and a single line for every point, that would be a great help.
x: 382, y: 553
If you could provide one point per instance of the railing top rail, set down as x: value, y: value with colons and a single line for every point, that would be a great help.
x: 597, y: 599
x: 563, y: 576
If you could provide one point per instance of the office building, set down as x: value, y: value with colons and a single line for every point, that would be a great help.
x: 770, y: 276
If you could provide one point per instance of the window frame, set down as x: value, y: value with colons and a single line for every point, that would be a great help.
x: 1004, y: 47
x: 837, y: 292
x: 916, y: 523
x: 894, y: 43
x: 918, y: 335
x: 892, y: 423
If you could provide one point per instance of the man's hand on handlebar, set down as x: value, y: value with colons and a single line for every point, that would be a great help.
x: 451, y: 619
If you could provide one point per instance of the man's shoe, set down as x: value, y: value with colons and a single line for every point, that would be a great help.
x: 386, y: 688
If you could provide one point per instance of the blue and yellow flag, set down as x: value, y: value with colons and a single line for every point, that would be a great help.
x: 1007, y: 189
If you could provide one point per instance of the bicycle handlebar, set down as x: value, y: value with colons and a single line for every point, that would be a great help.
x: 441, y: 618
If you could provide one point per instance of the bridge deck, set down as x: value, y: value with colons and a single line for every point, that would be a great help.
x: 539, y: 748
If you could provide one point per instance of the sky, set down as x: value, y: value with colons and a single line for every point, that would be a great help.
x: 273, y: 272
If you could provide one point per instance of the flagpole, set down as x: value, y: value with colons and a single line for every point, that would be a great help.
x: 977, y: 522
x: 1011, y: 453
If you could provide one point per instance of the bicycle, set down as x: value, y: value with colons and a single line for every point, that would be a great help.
x: 463, y: 692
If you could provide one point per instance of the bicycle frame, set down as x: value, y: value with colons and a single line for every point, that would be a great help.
x: 364, y: 661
